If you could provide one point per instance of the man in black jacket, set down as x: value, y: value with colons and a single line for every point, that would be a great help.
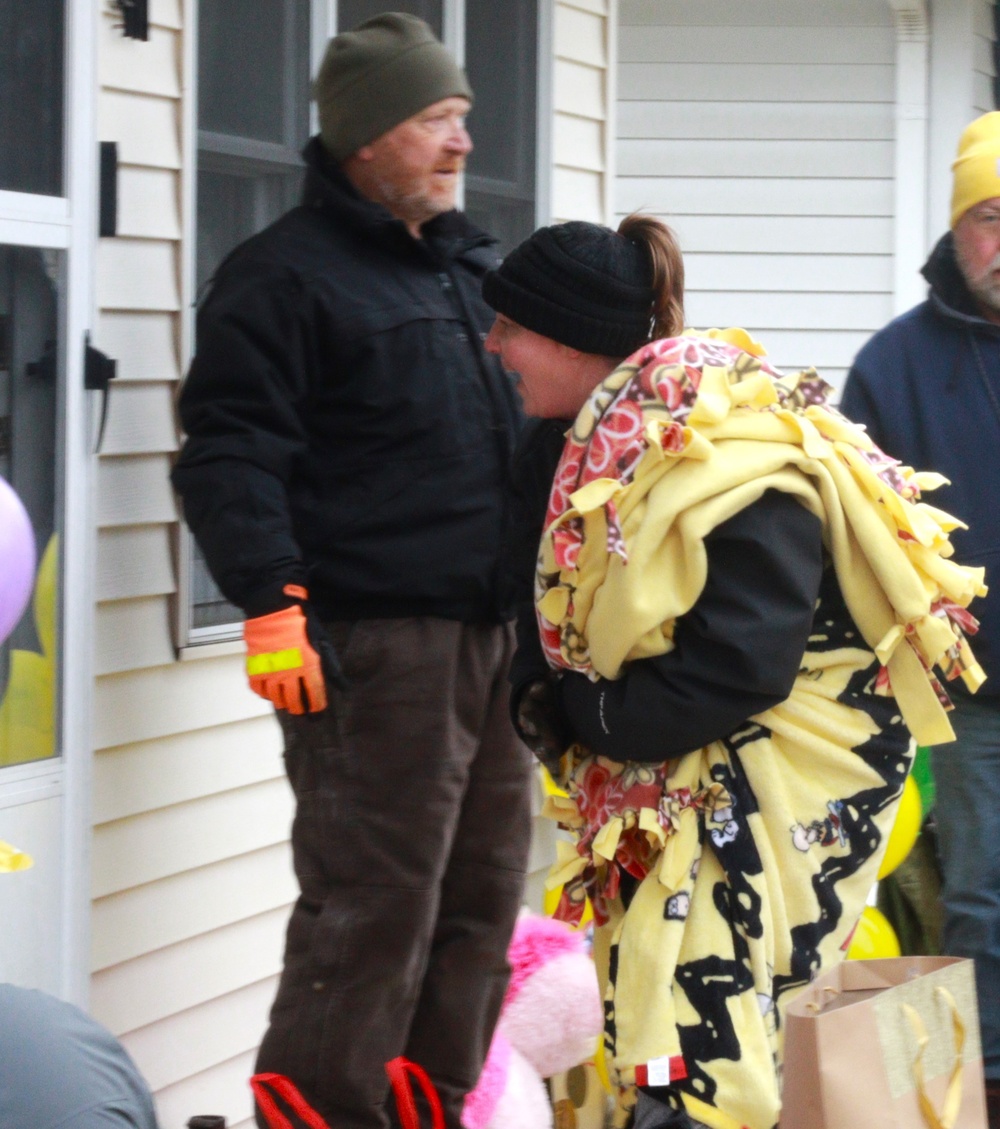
x: 345, y: 472
x: 927, y: 387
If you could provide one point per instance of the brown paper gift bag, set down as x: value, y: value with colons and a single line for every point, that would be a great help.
x: 885, y: 1044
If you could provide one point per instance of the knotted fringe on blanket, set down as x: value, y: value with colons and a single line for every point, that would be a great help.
x: 754, y: 856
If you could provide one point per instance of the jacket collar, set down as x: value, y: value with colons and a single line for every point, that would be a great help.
x: 328, y: 188
x: 949, y: 293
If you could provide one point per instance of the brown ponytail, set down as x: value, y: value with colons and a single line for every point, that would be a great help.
x: 668, y: 271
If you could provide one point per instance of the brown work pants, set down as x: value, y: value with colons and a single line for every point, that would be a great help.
x: 410, y: 843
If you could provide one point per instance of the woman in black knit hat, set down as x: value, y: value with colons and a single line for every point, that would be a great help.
x: 597, y: 294
x: 688, y: 669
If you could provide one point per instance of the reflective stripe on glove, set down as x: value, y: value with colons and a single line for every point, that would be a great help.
x: 282, y: 664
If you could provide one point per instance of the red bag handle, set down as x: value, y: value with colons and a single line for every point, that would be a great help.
x: 286, y: 1089
x: 399, y: 1071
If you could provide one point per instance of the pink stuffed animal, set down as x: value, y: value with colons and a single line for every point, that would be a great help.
x: 550, y: 1021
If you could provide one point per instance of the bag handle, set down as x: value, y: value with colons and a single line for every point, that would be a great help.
x: 399, y: 1071
x: 953, y: 1097
x: 285, y: 1088
x: 828, y: 994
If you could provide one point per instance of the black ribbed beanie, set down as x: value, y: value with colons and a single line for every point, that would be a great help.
x: 579, y: 283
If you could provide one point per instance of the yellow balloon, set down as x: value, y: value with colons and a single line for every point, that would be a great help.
x: 11, y: 858
x: 27, y: 708
x: 873, y: 937
x: 909, y: 816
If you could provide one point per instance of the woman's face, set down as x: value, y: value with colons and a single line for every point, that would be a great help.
x: 549, y: 374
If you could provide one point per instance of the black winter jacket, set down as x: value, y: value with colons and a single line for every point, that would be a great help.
x: 345, y: 428
x: 927, y: 387
x: 737, y: 651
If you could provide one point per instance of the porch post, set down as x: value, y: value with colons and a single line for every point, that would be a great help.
x: 911, y: 116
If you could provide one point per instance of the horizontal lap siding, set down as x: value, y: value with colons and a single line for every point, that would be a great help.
x: 128, y: 996
x: 159, y: 844
x: 133, y: 923
x: 139, y: 299
x: 720, y: 14
x: 143, y: 776
x: 763, y: 133
x: 191, y: 870
x: 202, y: 1091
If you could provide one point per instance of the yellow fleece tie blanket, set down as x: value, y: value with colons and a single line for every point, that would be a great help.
x: 754, y: 855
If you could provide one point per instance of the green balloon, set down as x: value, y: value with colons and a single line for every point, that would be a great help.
x: 924, y: 778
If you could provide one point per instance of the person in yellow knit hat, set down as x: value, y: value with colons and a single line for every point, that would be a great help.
x: 733, y: 607
x: 927, y: 387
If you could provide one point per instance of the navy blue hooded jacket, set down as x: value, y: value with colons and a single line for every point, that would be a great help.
x: 928, y: 389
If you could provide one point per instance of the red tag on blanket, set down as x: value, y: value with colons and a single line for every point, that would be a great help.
x: 661, y: 1071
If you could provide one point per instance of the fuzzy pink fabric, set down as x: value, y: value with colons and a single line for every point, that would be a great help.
x: 536, y: 941
x: 481, y: 1103
x: 525, y: 1103
x: 557, y: 1016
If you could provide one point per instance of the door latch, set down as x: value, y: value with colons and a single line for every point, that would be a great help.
x: 98, y: 372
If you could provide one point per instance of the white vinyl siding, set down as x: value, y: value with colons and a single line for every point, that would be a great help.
x: 983, y: 91
x: 763, y: 134
x: 583, y: 110
x: 139, y: 301
x: 191, y: 876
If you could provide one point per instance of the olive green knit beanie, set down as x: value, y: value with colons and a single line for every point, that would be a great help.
x: 372, y: 78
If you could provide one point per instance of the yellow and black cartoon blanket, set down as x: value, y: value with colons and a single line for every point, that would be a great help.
x: 747, y: 862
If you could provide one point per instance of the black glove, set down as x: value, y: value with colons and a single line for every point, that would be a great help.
x: 323, y: 645
x: 541, y: 721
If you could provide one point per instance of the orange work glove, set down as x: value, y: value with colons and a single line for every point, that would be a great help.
x: 283, y: 666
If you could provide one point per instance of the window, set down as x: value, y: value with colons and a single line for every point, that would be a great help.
x: 32, y: 298
x: 31, y: 96
x: 31, y: 294
x: 501, y: 60
x: 254, y: 65
x: 48, y: 211
x: 352, y: 12
x: 253, y: 120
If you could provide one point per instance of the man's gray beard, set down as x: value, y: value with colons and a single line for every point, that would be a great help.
x: 985, y: 290
x: 410, y: 207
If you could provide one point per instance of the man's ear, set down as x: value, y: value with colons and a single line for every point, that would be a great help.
x: 365, y: 153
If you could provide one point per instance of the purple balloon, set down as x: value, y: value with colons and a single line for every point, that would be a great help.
x: 17, y: 559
